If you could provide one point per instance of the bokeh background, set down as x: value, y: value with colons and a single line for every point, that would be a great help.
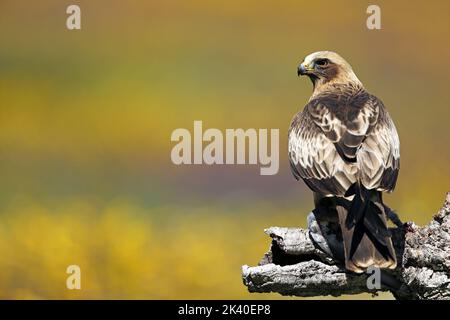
x: 86, y: 118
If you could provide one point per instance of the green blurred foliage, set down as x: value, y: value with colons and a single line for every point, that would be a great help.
x: 86, y: 118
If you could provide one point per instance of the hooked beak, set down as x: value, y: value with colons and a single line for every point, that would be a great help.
x: 303, y: 69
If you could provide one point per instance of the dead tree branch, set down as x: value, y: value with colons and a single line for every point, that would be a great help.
x: 308, y: 263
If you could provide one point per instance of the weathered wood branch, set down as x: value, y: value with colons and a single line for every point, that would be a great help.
x: 309, y: 262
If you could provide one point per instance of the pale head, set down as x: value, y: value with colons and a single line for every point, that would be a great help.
x: 326, y: 68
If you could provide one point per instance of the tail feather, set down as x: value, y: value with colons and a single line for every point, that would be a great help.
x: 367, y: 240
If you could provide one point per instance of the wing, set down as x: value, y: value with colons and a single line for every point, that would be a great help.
x: 379, y: 155
x: 345, y: 121
x: 314, y: 158
x: 336, y: 141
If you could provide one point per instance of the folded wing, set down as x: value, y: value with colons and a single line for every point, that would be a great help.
x: 334, y: 143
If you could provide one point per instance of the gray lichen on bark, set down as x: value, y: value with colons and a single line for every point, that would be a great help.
x: 308, y: 262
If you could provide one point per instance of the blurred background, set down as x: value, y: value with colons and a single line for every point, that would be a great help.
x: 86, y: 118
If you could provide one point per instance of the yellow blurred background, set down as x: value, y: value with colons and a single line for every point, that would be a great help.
x: 86, y: 118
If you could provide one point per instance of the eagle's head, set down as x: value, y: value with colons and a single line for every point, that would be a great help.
x: 325, y: 68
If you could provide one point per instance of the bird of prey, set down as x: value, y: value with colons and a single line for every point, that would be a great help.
x: 345, y: 147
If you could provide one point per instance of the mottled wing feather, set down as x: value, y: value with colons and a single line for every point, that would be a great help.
x: 344, y: 121
x: 379, y: 155
x: 314, y: 158
x: 332, y: 144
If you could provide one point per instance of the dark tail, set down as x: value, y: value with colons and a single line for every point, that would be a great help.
x: 367, y: 240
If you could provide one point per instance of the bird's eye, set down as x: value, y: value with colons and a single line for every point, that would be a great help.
x: 322, y: 62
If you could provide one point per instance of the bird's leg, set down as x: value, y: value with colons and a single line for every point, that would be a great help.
x: 315, y: 231
x: 325, y: 232
x: 391, y: 215
x: 323, y: 225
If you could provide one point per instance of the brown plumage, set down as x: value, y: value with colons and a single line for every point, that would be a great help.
x: 345, y: 147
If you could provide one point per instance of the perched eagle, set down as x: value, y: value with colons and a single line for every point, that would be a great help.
x: 345, y: 147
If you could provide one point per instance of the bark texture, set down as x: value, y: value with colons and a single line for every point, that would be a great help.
x: 308, y: 262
